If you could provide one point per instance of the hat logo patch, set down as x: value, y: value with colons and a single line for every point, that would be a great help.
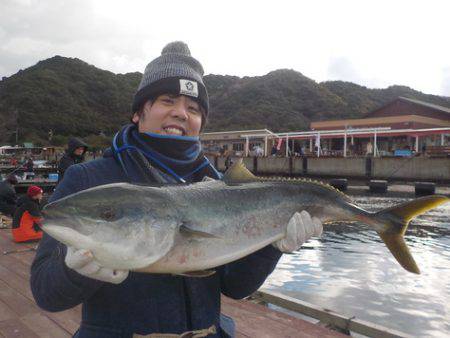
x: 188, y: 87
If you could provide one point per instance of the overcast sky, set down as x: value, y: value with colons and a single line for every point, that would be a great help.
x: 372, y: 43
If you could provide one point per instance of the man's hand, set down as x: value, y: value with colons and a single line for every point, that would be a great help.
x: 300, y: 228
x: 82, y: 261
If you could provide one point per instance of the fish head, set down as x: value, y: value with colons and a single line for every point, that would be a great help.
x: 124, y: 226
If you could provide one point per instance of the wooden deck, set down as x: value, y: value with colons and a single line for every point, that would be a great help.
x: 20, y: 316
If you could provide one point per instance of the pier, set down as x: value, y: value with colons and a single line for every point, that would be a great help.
x: 21, y: 317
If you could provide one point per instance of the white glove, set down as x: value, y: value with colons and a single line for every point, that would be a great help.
x: 82, y: 261
x: 300, y: 228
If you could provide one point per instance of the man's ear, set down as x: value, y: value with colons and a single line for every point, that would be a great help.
x: 135, y: 118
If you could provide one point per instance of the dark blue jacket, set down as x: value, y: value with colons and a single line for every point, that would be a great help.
x: 143, y: 303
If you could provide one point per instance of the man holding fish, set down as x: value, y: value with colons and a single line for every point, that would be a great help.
x: 103, y: 270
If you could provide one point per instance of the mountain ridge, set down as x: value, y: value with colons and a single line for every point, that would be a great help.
x: 73, y: 98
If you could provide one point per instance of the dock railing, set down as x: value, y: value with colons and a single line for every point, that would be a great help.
x: 326, y: 316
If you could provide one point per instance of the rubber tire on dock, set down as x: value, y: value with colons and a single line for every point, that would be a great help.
x: 339, y: 183
x: 424, y: 188
x: 378, y: 186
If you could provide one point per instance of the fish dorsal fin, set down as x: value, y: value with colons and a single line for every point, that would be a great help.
x: 295, y: 180
x: 238, y: 173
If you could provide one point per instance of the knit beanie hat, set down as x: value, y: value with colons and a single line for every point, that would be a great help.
x: 34, y: 190
x: 174, y: 72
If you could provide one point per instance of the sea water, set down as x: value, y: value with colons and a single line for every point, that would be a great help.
x: 349, y: 270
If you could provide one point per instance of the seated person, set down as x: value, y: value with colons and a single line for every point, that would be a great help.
x: 28, y: 215
x: 8, y: 197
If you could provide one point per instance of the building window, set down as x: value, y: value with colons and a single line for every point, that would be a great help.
x: 238, y: 146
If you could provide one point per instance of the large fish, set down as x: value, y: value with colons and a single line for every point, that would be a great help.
x: 189, y: 229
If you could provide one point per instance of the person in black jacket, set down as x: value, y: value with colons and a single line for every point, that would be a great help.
x: 161, y: 146
x: 76, y: 149
x: 8, y: 197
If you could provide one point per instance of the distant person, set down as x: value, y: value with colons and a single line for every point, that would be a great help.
x: 222, y: 151
x: 258, y: 151
x: 29, y: 165
x: 29, y: 169
x: 369, y: 148
x: 8, y: 197
x: 76, y: 149
x: 424, y: 149
x: 228, y: 161
x: 302, y: 151
x: 27, y: 216
x: 274, y: 150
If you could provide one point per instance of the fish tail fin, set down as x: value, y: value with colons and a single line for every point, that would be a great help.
x: 400, y: 216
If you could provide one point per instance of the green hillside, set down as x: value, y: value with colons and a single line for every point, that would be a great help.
x: 71, y: 97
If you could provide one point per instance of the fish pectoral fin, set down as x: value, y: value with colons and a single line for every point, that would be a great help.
x: 238, y: 173
x: 188, y: 230
x: 200, y: 273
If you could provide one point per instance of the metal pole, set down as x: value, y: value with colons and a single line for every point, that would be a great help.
x: 417, y: 144
x: 442, y: 139
x: 318, y: 144
x: 246, y: 146
x: 265, y: 146
x: 375, y: 145
x: 345, y: 143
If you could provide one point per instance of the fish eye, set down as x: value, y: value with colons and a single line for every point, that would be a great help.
x: 109, y: 214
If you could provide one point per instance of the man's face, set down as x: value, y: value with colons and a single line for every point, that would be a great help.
x: 38, y: 197
x: 79, y: 151
x: 170, y: 115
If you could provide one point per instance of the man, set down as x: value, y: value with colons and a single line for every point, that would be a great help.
x: 8, y: 197
x: 28, y: 169
x: 76, y: 149
x: 28, y: 216
x: 162, y: 145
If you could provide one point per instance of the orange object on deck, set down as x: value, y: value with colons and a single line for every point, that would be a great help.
x: 26, y: 231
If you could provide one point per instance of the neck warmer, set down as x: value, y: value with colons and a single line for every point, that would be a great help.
x: 148, y: 157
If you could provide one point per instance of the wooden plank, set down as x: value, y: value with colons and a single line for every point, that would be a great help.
x: 255, y: 320
x: 5, y: 312
x: 328, y: 316
x: 43, y: 326
x: 17, y: 302
x: 69, y: 320
x: 16, y: 282
x: 14, y: 328
x: 12, y: 263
